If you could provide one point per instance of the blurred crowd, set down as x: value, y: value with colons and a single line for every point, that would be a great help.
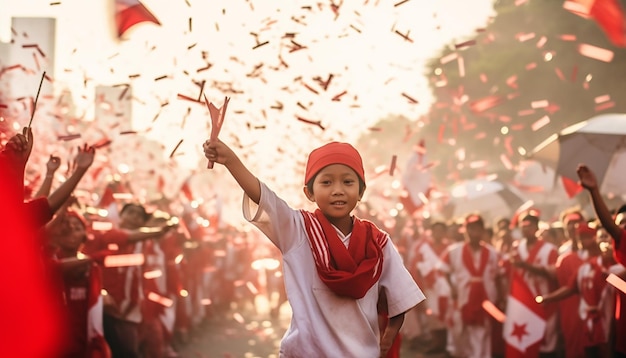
x: 562, y: 265
x: 128, y: 280
x: 121, y: 279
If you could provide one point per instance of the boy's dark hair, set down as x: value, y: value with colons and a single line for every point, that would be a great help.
x: 502, y: 219
x: 309, y: 185
x: 474, y: 219
x: 531, y: 218
x: 439, y: 223
x: 146, y: 216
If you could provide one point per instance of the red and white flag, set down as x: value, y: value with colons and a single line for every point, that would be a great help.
x: 607, y: 13
x: 525, y: 322
x: 129, y: 13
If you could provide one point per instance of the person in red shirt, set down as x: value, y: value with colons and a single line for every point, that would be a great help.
x: 597, y: 303
x: 82, y: 283
x: 569, y: 261
x: 159, y: 304
x: 616, y: 227
x: 122, y: 302
x: 30, y: 293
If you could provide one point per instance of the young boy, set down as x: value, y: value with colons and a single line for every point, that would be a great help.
x: 122, y: 303
x: 336, y: 266
x: 81, y: 286
x: 474, y: 275
x: 614, y: 226
x: 597, y: 304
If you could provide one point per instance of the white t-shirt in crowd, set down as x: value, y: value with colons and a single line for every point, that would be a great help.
x: 324, y: 324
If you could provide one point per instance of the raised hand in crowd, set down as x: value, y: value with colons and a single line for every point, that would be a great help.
x: 589, y: 181
x: 218, y: 152
x: 51, y: 167
x: 19, y: 147
x: 82, y: 162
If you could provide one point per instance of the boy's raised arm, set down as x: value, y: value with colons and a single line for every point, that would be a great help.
x: 588, y: 181
x: 84, y: 159
x: 218, y: 152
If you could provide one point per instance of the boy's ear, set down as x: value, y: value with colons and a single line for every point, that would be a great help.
x: 308, y: 194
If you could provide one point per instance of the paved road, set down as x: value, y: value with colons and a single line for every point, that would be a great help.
x: 248, y: 333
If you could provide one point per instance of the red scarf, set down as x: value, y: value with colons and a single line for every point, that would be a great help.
x: 350, y: 271
x: 472, y: 311
x: 592, y: 286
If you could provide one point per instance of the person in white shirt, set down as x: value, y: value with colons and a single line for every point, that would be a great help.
x: 472, y: 268
x: 336, y: 266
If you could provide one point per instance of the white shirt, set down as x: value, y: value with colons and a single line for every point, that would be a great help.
x: 324, y: 324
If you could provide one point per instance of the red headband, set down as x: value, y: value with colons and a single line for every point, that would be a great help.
x: 474, y: 219
x: 333, y: 153
x: 572, y: 217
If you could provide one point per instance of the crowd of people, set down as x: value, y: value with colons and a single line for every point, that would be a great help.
x: 137, y: 283
x: 564, y: 265
x: 132, y: 281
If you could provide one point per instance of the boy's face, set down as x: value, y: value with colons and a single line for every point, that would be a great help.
x: 587, y: 241
x: 73, y: 235
x: 439, y: 232
x: 475, y: 232
x: 570, y: 225
x: 529, y: 228
x: 503, y: 226
x: 133, y: 217
x: 335, y: 191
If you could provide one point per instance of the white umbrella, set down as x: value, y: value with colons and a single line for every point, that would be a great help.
x: 599, y: 142
x: 492, y: 199
x: 537, y: 182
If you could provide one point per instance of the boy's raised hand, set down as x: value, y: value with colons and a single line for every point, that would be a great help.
x: 20, y: 146
x: 586, y: 177
x: 53, y: 164
x: 85, y: 157
x: 217, y: 152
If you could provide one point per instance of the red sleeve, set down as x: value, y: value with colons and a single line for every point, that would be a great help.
x: 115, y: 236
x: 619, y: 248
x: 102, y: 241
x: 39, y: 211
x: 573, y: 281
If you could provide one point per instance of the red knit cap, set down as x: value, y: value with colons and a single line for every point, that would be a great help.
x: 333, y: 153
x: 585, y: 229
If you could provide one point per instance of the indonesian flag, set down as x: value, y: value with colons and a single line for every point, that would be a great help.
x: 416, y: 180
x: 571, y: 187
x: 609, y: 16
x: 129, y: 13
x: 525, y: 322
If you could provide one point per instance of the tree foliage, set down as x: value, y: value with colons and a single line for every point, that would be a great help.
x: 527, y: 55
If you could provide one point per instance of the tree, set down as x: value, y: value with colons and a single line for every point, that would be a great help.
x: 524, y: 79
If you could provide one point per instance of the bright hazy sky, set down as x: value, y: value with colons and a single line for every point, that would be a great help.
x: 358, y: 46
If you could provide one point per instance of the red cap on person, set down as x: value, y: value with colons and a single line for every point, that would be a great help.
x: 333, y: 153
x: 584, y: 229
x: 474, y: 219
x: 575, y: 216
